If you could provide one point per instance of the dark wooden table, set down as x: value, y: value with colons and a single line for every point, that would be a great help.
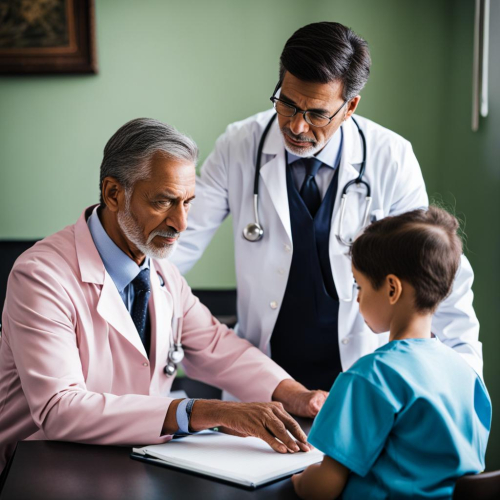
x: 71, y: 471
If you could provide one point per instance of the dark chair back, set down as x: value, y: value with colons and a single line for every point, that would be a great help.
x: 221, y: 303
x: 9, y: 252
x: 485, y: 486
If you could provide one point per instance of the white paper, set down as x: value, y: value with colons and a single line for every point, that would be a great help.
x: 249, y: 461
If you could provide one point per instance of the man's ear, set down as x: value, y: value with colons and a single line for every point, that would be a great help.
x: 351, y: 106
x: 113, y: 193
x: 394, y: 287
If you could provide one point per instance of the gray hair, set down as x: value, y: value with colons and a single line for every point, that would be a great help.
x: 127, y: 154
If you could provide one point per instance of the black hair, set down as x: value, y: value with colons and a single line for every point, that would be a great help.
x: 325, y: 52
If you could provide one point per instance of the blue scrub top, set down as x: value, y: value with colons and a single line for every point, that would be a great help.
x: 408, y: 420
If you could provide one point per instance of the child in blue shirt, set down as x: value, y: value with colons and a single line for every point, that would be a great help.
x: 409, y: 419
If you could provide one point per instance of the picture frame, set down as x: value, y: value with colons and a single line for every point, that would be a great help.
x: 47, y: 37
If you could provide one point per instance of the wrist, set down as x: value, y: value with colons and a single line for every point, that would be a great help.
x: 170, y: 425
x: 287, y: 390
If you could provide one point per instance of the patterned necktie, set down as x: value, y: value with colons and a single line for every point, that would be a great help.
x: 309, y: 190
x: 142, y: 290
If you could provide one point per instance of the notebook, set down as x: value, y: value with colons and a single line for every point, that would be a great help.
x: 246, y: 461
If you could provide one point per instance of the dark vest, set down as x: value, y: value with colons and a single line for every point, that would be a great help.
x: 305, y: 338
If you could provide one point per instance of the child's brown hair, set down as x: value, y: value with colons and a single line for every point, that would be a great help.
x: 421, y: 247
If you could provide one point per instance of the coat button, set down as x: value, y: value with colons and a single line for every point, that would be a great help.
x: 145, y: 364
x: 281, y: 271
x: 345, y: 341
x: 288, y: 248
x: 273, y: 304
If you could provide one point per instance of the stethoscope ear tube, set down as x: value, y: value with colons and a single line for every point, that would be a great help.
x: 254, y: 231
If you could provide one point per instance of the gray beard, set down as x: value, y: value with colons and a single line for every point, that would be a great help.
x: 301, y: 152
x: 304, y: 153
x: 131, y: 229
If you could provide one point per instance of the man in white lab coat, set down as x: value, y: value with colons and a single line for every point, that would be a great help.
x: 296, y: 291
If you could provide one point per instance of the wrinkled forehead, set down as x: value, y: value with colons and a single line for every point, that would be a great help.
x: 170, y: 175
x: 315, y: 94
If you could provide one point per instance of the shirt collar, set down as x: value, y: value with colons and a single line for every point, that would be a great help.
x: 330, y: 154
x: 119, y: 265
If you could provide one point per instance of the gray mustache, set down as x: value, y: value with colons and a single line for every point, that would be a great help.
x: 163, y: 234
x: 297, y: 138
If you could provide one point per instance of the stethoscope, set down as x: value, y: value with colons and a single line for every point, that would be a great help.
x: 254, y: 231
x: 176, y: 352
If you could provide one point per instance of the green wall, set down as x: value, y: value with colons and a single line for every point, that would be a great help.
x: 201, y: 65
x: 469, y: 179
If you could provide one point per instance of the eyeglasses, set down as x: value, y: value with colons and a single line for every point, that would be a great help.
x: 311, y: 117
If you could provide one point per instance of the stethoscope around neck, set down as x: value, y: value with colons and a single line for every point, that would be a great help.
x: 176, y: 351
x: 254, y: 231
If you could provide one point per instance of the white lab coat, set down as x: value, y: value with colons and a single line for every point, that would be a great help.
x: 262, y: 268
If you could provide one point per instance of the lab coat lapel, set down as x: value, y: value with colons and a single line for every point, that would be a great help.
x: 161, y: 307
x: 110, y: 305
x: 273, y: 175
x: 350, y: 162
x: 112, y: 309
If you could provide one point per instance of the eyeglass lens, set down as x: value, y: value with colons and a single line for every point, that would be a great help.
x: 312, y: 118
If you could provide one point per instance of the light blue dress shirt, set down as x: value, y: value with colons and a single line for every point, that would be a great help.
x: 408, y: 420
x: 117, y: 263
x: 123, y: 271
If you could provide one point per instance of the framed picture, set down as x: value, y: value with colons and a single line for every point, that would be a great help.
x: 47, y: 36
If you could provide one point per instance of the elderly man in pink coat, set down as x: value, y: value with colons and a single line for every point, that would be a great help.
x: 92, y: 312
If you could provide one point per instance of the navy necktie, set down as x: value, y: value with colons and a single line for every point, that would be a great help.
x: 142, y: 290
x: 309, y: 190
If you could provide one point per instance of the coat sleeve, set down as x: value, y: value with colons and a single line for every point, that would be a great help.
x: 209, y: 208
x: 454, y: 322
x: 217, y: 356
x: 40, y: 328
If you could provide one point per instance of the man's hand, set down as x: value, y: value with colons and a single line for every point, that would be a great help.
x: 298, y: 400
x: 267, y: 421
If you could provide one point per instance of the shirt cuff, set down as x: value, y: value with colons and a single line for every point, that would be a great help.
x: 182, y: 417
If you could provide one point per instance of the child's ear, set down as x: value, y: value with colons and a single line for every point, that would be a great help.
x: 395, y: 288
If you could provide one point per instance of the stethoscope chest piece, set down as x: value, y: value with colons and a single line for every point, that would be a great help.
x: 169, y: 369
x: 176, y: 354
x: 253, y: 232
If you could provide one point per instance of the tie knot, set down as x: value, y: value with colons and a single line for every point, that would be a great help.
x: 142, y: 282
x: 312, y: 166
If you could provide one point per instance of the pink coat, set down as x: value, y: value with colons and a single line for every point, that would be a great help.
x: 72, y: 365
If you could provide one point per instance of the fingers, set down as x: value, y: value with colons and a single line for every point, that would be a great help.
x: 292, y: 425
x: 267, y: 421
x: 304, y: 446
x: 316, y: 401
x: 278, y: 430
x: 273, y: 442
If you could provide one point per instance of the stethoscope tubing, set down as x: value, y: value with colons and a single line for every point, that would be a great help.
x: 343, y: 203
